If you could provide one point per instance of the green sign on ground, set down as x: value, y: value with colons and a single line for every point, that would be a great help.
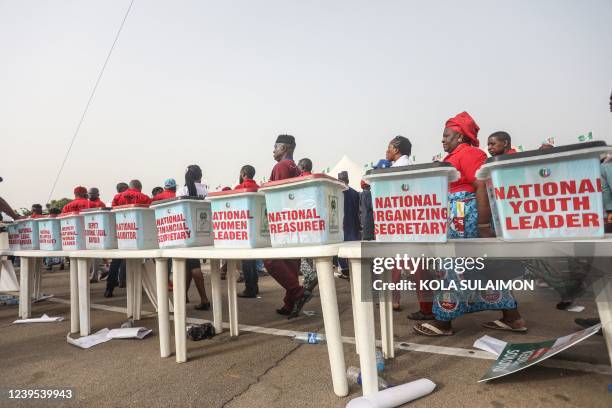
x: 516, y: 357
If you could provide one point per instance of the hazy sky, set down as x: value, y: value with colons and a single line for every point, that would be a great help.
x: 214, y: 82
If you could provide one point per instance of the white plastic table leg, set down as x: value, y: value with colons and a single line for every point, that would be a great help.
x: 129, y: 287
x: 84, y: 304
x: 232, y: 297
x: 25, y: 288
x: 354, y: 297
x: 360, y: 274
x: 386, y: 318
x: 148, y: 282
x: 8, y: 279
x: 137, y: 270
x: 163, y: 313
x: 180, y: 286
x: 217, y: 300
x: 37, y: 277
x: 74, y: 297
x: 604, y: 307
x: 331, y: 321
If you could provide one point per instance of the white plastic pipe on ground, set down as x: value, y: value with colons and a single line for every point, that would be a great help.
x: 394, y: 396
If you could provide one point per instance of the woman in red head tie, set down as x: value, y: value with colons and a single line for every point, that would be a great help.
x: 469, y: 217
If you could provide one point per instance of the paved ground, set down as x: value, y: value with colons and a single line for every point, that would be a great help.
x: 258, y: 370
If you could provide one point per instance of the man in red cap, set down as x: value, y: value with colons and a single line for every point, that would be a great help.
x: 286, y: 271
x: 80, y: 201
x: 133, y: 195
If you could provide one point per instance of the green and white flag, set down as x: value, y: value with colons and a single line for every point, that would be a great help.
x: 585, y: 138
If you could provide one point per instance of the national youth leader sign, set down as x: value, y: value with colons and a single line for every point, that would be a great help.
x: 410, y: 209
x: 516, y: 357
x: 552, y: 200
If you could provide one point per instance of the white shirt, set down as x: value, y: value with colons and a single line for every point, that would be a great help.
x: 402, y: 161
x: 200, y: 188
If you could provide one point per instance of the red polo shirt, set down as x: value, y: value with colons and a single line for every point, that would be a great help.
x: 467, y: 160
x: 248, y: 183
x: 306, y: 173
x: 510, y: 151
x: 133, y: 196
x: 77, y: 204
x: 164, y: 195
x: 97, y: 203
x: 36, y: 216
x: 284, y: 169
x: 116, y: 200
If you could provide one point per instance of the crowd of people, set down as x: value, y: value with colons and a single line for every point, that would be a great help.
x: 469, y: 217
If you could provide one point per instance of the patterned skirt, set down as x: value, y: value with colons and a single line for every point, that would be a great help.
x: 450, y: 304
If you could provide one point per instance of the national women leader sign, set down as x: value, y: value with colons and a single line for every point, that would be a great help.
x: 240, y: 219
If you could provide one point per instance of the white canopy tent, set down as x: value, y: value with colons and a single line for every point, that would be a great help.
x: 354, y: 171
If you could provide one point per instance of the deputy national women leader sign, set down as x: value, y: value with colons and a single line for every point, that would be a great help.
x: 516, y: 357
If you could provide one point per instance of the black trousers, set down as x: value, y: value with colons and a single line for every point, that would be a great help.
x: 116, y: 274
x: 249, y: 269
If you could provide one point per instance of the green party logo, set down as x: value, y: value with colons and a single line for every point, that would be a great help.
x: 545, y: 172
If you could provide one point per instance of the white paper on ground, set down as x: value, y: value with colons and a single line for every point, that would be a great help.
x: 490, y: 344
x: 394, y: 396
x: 89, y: 341
x: 42, y: 319
x: 129, y: 333
x: 576, y: 308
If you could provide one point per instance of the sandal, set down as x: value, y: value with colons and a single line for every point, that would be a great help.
x: 202, y: 306
x: 418, y: 315
x: 430, y: 330
x: 499, y: 325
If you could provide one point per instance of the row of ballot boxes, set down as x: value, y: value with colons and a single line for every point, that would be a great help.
x: 305, y: 210
x: 548, y: 194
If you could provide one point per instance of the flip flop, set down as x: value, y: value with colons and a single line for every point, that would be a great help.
x: 499, y: 325
x: 433, y: 330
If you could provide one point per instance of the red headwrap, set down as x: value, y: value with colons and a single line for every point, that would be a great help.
x: 464, y: 124
x: 363, y: 184
x: 80, y: 190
